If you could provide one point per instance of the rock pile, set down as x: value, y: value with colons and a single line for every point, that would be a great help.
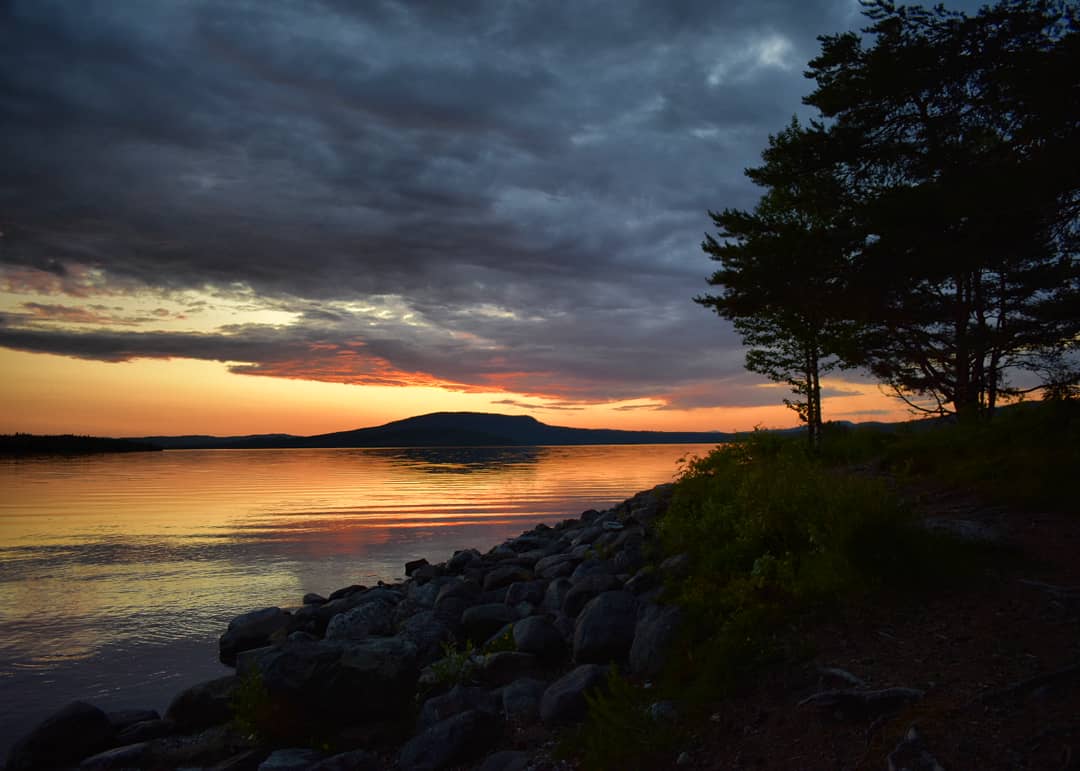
x: 481, y: 643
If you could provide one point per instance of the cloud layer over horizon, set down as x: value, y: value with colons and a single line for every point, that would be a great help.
x: 491, y: 196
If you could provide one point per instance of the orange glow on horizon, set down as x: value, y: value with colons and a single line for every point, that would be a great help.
x: 44, y: 394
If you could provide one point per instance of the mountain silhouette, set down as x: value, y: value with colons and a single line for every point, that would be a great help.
x: 448, y: 429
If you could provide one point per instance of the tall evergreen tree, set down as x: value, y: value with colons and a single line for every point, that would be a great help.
x: 960, y: 139
x: 780, y: 266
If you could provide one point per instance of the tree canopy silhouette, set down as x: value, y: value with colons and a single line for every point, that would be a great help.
x: 942, y: 204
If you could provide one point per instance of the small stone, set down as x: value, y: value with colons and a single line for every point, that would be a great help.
x: 292, y: 759
x: 63, y: 738
x: 564, y: 700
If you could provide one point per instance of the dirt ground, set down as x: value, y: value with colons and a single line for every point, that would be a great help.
x: 998, y: 662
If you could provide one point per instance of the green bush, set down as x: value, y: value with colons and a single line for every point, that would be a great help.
x: 455, y: 667
x: 619, y: 734
x: 775, y: 536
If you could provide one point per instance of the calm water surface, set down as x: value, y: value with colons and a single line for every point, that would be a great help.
x: 118, y: 572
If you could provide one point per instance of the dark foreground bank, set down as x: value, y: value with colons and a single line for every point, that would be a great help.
x: 470, y: 661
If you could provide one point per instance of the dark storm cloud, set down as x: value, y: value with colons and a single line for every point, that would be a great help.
x: 550, y: 160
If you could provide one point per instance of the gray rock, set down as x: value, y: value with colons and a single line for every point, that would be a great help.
x: 529, y: 542
x: 413, y: 565
x: 526, y: 591
x: 363, y: 621
x: 605, y: 629
x: 507, y: 760
x: 506, y: 575
x: 506, y: 666
x: 547, y: 563
x: 291, y: 759
x: 677, y: 566
x: 427, y: 630
x: 123, y: 718
x: 588, y: 535
x: 521, y: 699
x: 481, y: 621
x: 663, y: 712
x: 564, y: 700
x: 585, y: 589
x: 424, y: 594
x: 537, y: 635
x: 556, y: 594
x: 450, y: 742
x: 462, y: 559
x: 346, y: 591
x: 591, y: 567
x: 911, y: 754
x: 203, y: 705
x: 460, y: 589
x: 851, y: 704
x: 321, y: 682
x: 250, y: 630
x: 458, y: 699
x: 64, y: 738
x: 128, y: 756
x: 628, y: 560
x: 311, y: 598
x: 643, y: 580
x: 656, y: 628
x: 357, y: 760
x: 145, y: 731
x: 426, y: 573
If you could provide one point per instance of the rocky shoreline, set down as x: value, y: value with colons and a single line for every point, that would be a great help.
x: 466, y: 663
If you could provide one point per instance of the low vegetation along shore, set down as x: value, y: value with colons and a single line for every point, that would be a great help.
x: 902, y: 599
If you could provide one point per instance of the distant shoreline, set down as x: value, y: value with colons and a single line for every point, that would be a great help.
x: 34, y: 445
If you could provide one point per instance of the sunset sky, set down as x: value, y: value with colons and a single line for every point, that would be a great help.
x: 275, y: 216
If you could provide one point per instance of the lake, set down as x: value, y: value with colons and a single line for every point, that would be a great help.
x: 119, y: 572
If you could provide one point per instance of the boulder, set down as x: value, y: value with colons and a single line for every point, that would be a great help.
x: 346, y: 591
x: 462, y: 559
x: 605, y: 629
x: 506, y: 666
x: 123, y: 718
x: 458, y: 699
x: 363, y: 621
x: 453, y: 741
x: 125, y: 757
x: 64, y: 738
x: 464, y: 589
x: 537, y: 635
x: 250, y: 630
x: 591, y: 567
x: 481, y: 621
x: 526, y: 591
x: 585, y: 589
x: 506, y: 760
x: 564, y: 700
x: 203, y: 705
x: 329, y: 683
x: 506, y: 575
x: 145, y: 731
x: 427, y: 630
x: 676, y: 566
x: 413, y: 565
x: 311, y: 598
x: 553, y: 561
x: 521, y: 699
x: 357, y: 760
x: 656, y: 628
x: 555, y: 594
x: 291, y: 759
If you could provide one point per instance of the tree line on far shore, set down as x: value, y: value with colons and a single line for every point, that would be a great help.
x: 925, y: 226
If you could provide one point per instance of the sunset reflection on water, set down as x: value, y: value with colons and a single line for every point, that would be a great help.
x: 118, y: 572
